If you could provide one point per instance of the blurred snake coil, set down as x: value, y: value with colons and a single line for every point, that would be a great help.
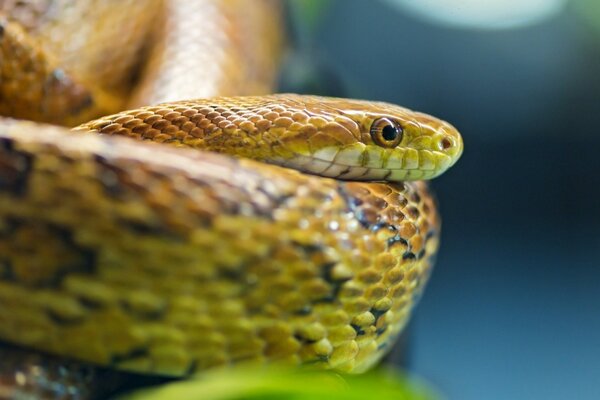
x: 193, y: 234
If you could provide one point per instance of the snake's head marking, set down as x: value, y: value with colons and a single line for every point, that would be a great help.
x: 362, y: 140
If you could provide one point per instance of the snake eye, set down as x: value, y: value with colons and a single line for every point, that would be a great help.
x: 386, y: 132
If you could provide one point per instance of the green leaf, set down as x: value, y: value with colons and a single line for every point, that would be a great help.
x: 287, y: 384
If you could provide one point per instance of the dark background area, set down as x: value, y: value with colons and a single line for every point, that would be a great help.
x: 513, y: 307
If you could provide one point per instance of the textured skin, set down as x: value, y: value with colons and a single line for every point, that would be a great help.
x: 127, y: 53
x: 166, y: 260
x: 325, y: 136
x: 148, y: 245
x: 44, y: 77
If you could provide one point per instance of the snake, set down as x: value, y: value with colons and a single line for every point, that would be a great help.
x: 173, y: 238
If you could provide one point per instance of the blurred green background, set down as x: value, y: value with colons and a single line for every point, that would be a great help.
x: 245, y: 383
x: 513, y: 308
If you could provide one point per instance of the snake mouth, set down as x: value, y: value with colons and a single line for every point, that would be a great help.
x: 428, y: 165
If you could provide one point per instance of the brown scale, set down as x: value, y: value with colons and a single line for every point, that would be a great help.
x: 57, y: 69
x: 67, y: 61
x: 269, y: 264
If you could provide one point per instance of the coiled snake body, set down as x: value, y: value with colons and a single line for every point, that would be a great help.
x: 169, y: 260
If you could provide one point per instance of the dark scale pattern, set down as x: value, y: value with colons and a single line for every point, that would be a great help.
x: 14, y: 168
x: 21, y: 253
x: 25, y: 375
x: 268, y: 263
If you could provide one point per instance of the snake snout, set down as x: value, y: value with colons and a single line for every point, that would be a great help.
x: 449, y: 141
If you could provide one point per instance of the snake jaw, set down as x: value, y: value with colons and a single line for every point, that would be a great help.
x: 402, y: 165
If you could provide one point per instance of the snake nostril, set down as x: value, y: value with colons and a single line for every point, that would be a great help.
x: 445, y: 143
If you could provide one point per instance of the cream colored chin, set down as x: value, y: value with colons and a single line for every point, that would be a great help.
x: 332, y: 169
x: 358, y: 161
x: 376, y: 157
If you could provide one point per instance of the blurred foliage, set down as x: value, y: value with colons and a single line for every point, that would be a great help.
x: 306, y: 16
x: 258, y: 383
x: 590, y: 11
x: 304, y: 70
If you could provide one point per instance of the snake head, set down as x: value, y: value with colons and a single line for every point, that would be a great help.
x: 364, y: 140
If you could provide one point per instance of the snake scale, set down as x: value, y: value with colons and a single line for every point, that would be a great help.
x: 193, y: 234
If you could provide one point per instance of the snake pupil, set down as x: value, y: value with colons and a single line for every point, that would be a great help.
x: 389, y: 132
